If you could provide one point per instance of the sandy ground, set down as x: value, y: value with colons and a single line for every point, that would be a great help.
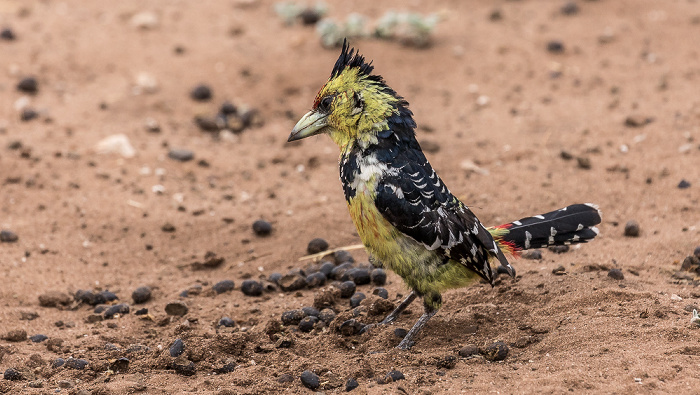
x: 621, y: 100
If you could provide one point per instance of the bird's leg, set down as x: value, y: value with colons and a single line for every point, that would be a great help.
x: 408, y: 341
x: 399, y: 309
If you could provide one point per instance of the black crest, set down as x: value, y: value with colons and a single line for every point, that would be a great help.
x: 349, y: 59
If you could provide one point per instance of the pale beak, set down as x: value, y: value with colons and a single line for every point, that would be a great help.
x: 309, y: 125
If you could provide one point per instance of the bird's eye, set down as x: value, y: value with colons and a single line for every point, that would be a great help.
x: 325, y: 104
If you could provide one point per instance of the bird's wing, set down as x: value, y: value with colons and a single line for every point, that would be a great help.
x: 418, y: 204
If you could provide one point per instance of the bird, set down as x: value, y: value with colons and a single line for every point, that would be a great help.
x: 408, y: 220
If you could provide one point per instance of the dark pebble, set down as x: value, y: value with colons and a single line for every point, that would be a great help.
x: 58, y: 362
x: 570, y: 8
x: 326, y: 268
x: 176, y: 308
x: 310, y: 311
x: 632, y: 229
x: 339, y: 271
x: 559, y: 249
x: 177, y: 348
x: 555, y: 46
x: 141, y: 295
x: 307, y: 324
x: 392, y: 376
x: 28, y: 114
x: 38, y: 338
x: 584, y: 162
x: 310, y: 380
x: 292, y: 317
x: 284, y: 342
x: 227, y: 108
x: 532, y: 254
x: 351, y: 327
x: 227, y: 322
x: 559, y: 270
x: 359, y: 276
x: 378, y: 276
x: 275, y: 278
x: 262, y: 228
x: 347, y: 289
x: 683, y: 184
x: 497, y: 351
x: 184, y: 367
x: 315, y: 279
x: 252, y: 288
x: 447, y: 362
x: 7, y: 34
x: 381, y: 292
x: 76, y: 363
x: 28, y: 85
x: 616, y: 274
x: 223, y: 286
x: 109, y: 296
x: 142, y: 311
x: 326, y: 315
x: 8, y: 236
x: 227, y: 368
x: 292, y: 282
x: 309, y: 16
x: 696, y: 252
x: 181, y: 155
x: 207, y: 124
x: 468, y: 351
x: 201, y: 93
x: 120, y: 365
x: 317, y: 245
x: 120, y: 309
x: 356, y: 299
x: 12, y: 375
x: 351, y: 384
x: 342, y: 256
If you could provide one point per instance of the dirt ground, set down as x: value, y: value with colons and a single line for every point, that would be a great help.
x: 513, y: 127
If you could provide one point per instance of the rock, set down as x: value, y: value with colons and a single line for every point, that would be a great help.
x: 38, y: 338
x: 616, y: 274
x: 342, y: 256
x: 317, y: 279
x: 683, y: 184
x: 181, y: 155
x: 326, y: 315
x: 559, y: 270
x: 292, y: 282
x: 310, y: 380
x: 339, y: 271
x: 12, y: 375
x: 54, y: 299
x: 227, y: 322
x: 351, y: 384
x: 468, y: 351
x: 400, y: 333
x: 275, y: 278
x: 497, y: 351
x: 177, y: 348
x: 28, y: 85
x: 176, y: 308
x: 378, y: 276
x: 446, y: 362
x: 637, y: 121
x: 120, y: 309
x: 226, y: 368
x: 390, y: 377
x: 347, y: 289
x: 201, y: 92
x: 184, y: 367
x: 142, y: 311
x: 317, y: 245
x: 307, y: 324
x: 359, y: 276
x: 58, y: 362
x: 326, y: 268
x: 8, y: 236
x: 583, y: 162
x: 252, y: 288
x: 116, y: 144
x: 15, y: 335
x: 381, y: 292
x: 223, y: 286
x: 555, y: 46
x: 7, y: 34
x: 532, y: 254
x: 141, y: 295
x: 292, y: 317
x: 632, y: 229
x: 27, y: 114
x: 262, y: 228
x: 76, y: 363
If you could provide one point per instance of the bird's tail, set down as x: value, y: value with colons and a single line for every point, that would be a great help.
x: 569, y: 225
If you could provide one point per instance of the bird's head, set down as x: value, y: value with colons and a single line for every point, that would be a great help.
x: 353, y: 106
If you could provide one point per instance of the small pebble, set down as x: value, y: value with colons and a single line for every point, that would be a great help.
x: 584, y: 162
x: 683, y: 184
x: 38, y: 338
x: 28, y: 114
x: 326, y: 268
x: 342, y: 256
x: 227, y: 108
x: 201, y: 93
x: 28, y: 85
x: 339, y: 271
x: 108, y: 296
x: 227, y: 368
x: 381, y: 292
x: 468, y: 351
x: 359, y: 276
x: 347, y: 289
x: 275, y: 278
x: 307, y: 324
x: 12, y: 375
x: 497, y: 351
x: 292, y: 282
x: 292, y: 317
x: 637, y: 121
x: 58, y: 362
x: 356, y: 299
x: 632, y: 229
x: 176, y: 308
x: 616, y: 274
x: 120, y: 309
x: 532, y: 254
x: 141, y: 295
x: 252, y: 288
x: 181, y: 154
x: 555, y: 46
x: 142, y: 311
x: 351, y: 384
x: 223, y: 286
x: 310, y: 311
x: 310, y: 380
x: 317, y: 245
x: 378, y: 276
x: 168, y: 227
x: 177, y: 348
x: 326, y: 315
x: 184, y: 367
x: 559, y: 249
x: 227, y: 322
x: 262, y: 228
x: 8, y: 236
x: 559, y: 270
x: 7, y: 34
x: 400, y: 333
x: 76, y: 363
x: 390, y: 377
x: 315, y: 279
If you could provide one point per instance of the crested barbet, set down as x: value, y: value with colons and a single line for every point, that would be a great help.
x: 408, y: 220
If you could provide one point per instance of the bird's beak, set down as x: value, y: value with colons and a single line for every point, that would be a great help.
x: 310, y: 124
